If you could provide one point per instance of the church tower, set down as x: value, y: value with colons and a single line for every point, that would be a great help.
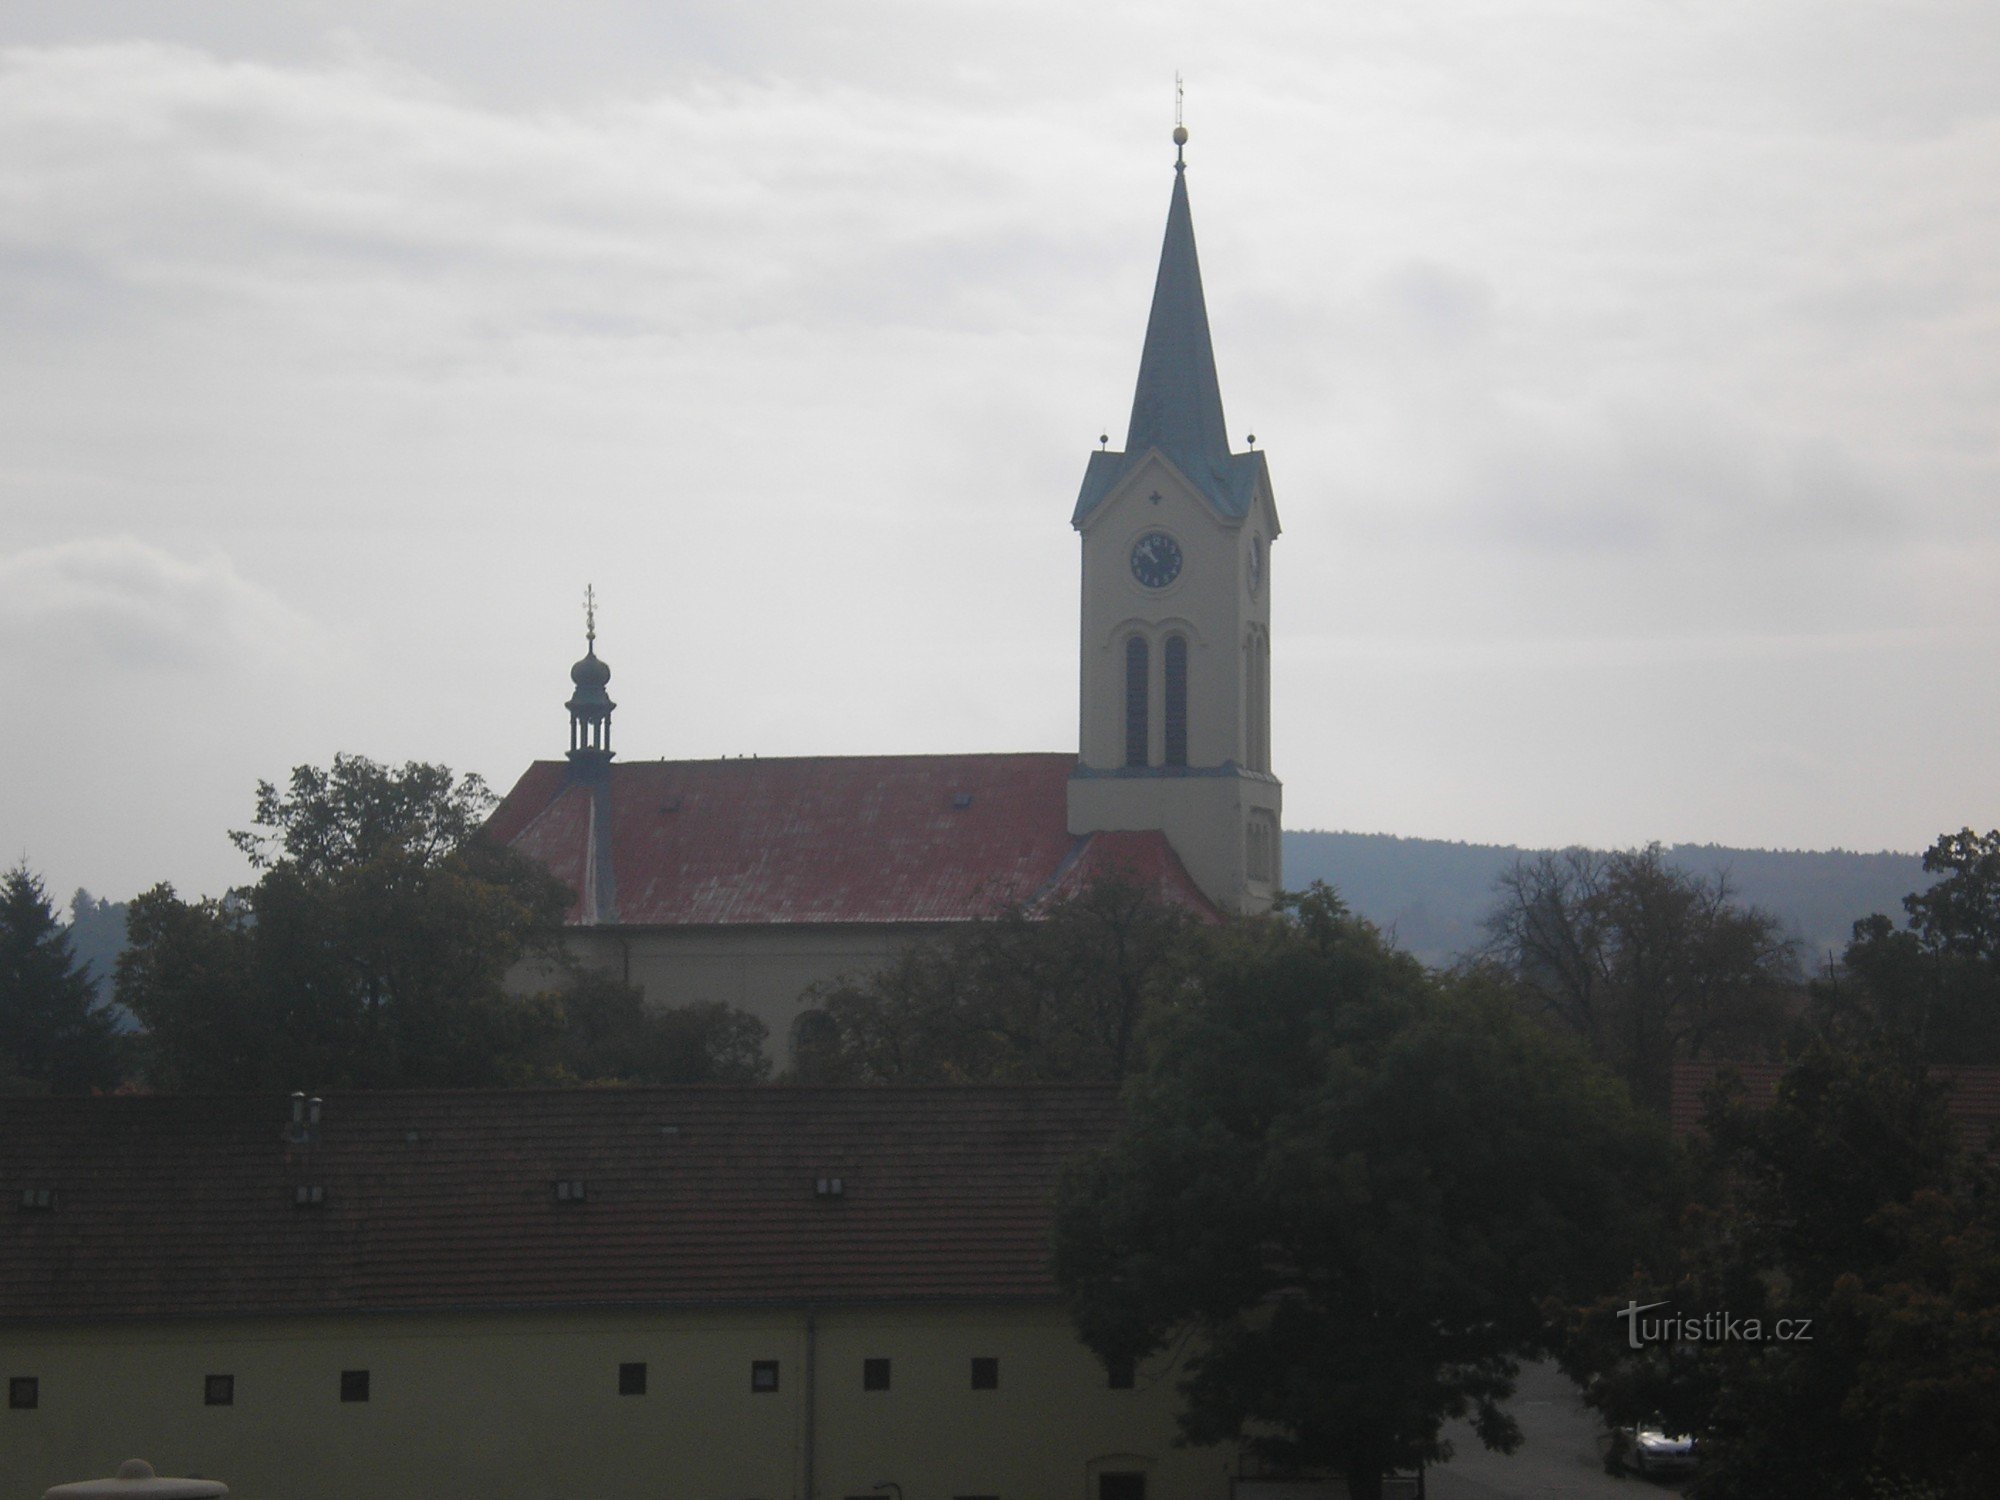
x: 589, y: 705
x: 1176, y: 647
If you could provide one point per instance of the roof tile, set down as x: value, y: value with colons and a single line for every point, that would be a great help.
x: 694, y: 1196
x: 866, y: 838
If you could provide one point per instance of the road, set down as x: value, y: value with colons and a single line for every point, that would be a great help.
x: 1561, y: 1452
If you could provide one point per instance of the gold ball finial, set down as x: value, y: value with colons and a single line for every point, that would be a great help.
x: 1180, y: 135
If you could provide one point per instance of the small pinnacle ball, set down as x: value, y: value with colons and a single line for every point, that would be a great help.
x: 1180, y: 135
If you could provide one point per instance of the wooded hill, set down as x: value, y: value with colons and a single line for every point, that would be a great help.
x: 1431, y: 895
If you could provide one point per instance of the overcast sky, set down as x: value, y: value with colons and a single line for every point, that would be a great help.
x: 1628, y: 373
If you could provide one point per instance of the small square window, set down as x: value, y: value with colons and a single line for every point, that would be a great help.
x: 763, y: 1375
x: 38, y: 1199
x: 354, y: 1385
x: 632, y: 1378
x: 985, y: 1374
x: 24, y: 1393
x: 874, y: 1374
x: 218, y: 1390
x: 1121, y: 1374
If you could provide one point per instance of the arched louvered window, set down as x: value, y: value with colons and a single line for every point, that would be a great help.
x: 1175, y: 711
x: 1138, y: 666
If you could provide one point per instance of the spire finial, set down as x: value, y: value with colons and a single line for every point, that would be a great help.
x: 1180, y: 130
x: 590, y: 617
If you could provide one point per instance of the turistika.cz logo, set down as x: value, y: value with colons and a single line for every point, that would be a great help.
x: 1707, y: 1328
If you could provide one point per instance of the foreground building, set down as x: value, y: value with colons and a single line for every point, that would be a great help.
x: 747, y: 880
x: 715, y: 1292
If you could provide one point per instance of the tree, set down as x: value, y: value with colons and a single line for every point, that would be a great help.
x: 356, y: 810
x: 372, y: 952
x: 609, y: 1034
x: 97, y: 937
x: 54, y: 1037
x: 1855, y: 1250
x: 1048, y: 992
x: 1347, y: 1185
x: 1642, y: 962
x: 1935, y: 985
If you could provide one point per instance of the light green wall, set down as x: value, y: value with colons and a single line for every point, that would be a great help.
x: 527, y: 1405
x: 762, y: 968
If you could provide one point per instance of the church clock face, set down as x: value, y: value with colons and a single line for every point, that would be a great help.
x: 1156, y: 559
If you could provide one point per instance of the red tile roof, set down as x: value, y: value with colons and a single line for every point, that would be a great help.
x: 693, y: 1197
x: 867, y: 838
x: 1972, y: 1095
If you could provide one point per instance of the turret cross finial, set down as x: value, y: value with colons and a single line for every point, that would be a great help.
x: 1180, y: 130
x: 590, y: 615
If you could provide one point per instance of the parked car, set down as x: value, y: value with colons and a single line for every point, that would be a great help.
x: 1654, y: 1450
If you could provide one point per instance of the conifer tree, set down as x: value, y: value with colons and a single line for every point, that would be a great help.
x: 54, y: 1037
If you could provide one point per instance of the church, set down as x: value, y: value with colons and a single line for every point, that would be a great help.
x: 748, y: 881
x: 793, y: 1292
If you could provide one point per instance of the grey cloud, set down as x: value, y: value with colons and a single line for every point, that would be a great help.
x: 119, y: 603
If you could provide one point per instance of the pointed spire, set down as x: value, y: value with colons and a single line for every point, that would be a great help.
x: 1178, y: 405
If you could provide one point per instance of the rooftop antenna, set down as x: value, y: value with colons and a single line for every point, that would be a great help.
x: 590, y: 619
x: 1180, y: 130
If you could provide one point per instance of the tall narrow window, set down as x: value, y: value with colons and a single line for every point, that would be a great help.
x: 1138, y: 667
x: 1264, y: 700
x: 1175, y: 710
x: 1257, y: 699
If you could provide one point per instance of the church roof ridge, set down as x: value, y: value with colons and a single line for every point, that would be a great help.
x: 629, y: 763
x: 819, y: 839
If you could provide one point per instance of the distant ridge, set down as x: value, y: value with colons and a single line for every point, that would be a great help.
x: 1433, y: 894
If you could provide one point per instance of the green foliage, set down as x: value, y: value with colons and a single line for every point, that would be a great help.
x: 356, y: 811
x: 54, y: 1037
x: 1432, y: 895
x: 1049, y: 993
x: 1642, y: 962
x: 97, y: 936
x: 1934, y: 986
x: 372, y: 953
x: 1846, y: 1208
x: 609, y: 1034
x: 1345, y: 1185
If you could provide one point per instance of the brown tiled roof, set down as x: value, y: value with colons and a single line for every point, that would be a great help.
x: 1972, y: 1095
x: 692, y: 1197
x: 861, y: 838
